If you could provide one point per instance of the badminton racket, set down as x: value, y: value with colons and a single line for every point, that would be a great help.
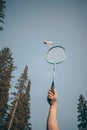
x: 55, y: 55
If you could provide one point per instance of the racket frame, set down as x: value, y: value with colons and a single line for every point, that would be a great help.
x: 50, y: 50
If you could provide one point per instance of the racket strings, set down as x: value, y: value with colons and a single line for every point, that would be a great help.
x: 56, y: 55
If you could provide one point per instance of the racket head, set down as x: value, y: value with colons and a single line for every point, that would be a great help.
x: 56, y: 55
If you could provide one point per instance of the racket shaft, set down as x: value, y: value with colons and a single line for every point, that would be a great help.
x: 52, y: 85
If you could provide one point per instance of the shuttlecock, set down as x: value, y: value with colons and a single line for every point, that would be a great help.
x: 48, y: 42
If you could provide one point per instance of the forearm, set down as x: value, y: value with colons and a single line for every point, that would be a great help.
x: 52, y: 122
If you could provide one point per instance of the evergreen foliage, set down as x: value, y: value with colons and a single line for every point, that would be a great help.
x: 6, y: 68
x: 20, y: 113
x: 14, y: 115
x: 82, y: 110
x: 2, y: 12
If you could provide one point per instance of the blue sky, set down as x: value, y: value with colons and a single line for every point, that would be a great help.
x: 28, y: 23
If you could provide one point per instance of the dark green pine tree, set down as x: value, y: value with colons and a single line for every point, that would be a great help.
x: 6, y: 68
x: 20, y: 113
x: 82, y: 110
x: 2, y: 13
x: 27, y: 106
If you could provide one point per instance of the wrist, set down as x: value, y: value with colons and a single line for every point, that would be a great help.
x: 54, y: 105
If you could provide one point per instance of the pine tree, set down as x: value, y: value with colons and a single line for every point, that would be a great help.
x: 20, y: 113
x: 27, y: 106
x: 2, y: 12
x: 6, y: 68
x: 82, y: 110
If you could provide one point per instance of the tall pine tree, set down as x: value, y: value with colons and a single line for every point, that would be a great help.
x: 20, y: 113
x: 6, y: 68
x: 82, y: 110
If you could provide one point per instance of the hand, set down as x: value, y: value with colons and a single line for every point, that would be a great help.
x: 52, y: 96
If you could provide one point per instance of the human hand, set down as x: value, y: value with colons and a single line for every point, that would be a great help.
x: 52, y: 97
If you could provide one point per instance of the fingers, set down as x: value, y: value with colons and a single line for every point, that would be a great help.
x: 51, y: 94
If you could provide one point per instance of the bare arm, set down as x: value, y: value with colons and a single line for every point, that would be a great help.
x: 52, y: 122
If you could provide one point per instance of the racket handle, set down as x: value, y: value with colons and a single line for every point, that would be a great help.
x: 52, y: 87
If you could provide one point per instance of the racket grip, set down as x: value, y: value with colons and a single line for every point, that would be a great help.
x: 52, y: 87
